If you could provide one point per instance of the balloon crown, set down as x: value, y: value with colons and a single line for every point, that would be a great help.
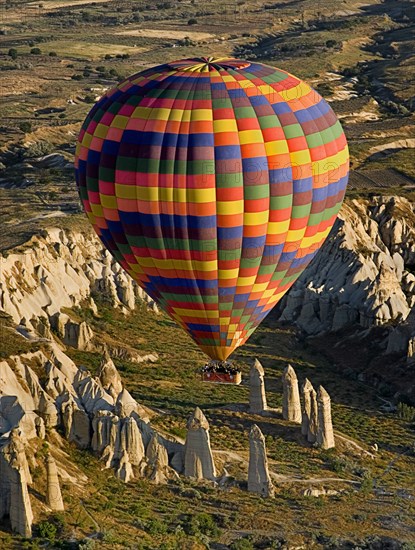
x: 207, y: 64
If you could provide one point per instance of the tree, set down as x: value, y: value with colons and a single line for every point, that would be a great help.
x: 35, y: 51
x: 192, y: 22
x: 12, y: 53
x: 25, y: 127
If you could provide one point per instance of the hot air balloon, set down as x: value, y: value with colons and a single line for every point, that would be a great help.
x: 213, y: 182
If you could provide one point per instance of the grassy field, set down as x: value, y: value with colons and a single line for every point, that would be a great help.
x: 375, y: 497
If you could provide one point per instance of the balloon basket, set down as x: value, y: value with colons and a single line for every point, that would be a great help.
x: 221, y: 373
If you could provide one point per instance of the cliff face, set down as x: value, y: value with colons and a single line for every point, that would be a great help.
x: 61, y: 269
x: 363, y: 275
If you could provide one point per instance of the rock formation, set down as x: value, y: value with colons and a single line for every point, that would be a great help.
x: 198, y: 460
x: 313, y: 420
x: 291, y: 406
x: 14, y: 479
x: 257, y: 397
x: 109, y: 377
x: 325, y: 436
x: 131, y: 441
x: 157, y: 469
x: 259, y: 480
x: 358, y: 277
x: 53, y: 493
x: 124, y: 471
x: 306, y: 390
x: 78, y: 335
x: 61, y: 269
x: 76, y: 423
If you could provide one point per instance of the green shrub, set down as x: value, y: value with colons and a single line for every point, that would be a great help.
x: 47, y: 530
x: 156, y: 527
x: 192, y: 22
x: 12, y: 53
x: 331, y: 43
x: 25, y: 127
x: 201, y: 524
x: 38, y: 149
x: 35, y: 51
x: 53, y: 54
x: 406, y: 412
x: 77, y: 77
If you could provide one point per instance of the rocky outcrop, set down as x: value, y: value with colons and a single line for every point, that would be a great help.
x: 53, y: 493
x: 291, y: 406
x: 360, y: 276
x: 76, y: 422
x: 313, y: 420
x: 259, y: 480
x: 198, y: 460
x: 325, y: 436
x: 61, y: 269
x: 157, y: 468
x: 306, y: 390
x: 77, y: 335
x: 14, y: 480
x: 109, y: 377
x: 257, y: 397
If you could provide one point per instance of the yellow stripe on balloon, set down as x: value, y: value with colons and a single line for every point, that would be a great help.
x: 228, y: 273
x: 255, y: 218
x: 250, y: 136
x: 225, y: 125
x: 323, y: 166
x: 108, y: 201
x: 199, y: 314
x: 296, y: 92
x: 276, y: 147
x: 229, y: 207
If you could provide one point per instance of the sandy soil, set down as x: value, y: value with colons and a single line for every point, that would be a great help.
x: 166, y: 33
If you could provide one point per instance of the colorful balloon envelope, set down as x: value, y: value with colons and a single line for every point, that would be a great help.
x: 213, y: 182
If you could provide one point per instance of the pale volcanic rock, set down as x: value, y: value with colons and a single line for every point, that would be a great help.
x: 257, y: 397
x: 109, y: 377
x: 124, y: 470
x: 40, y: 427
x: 14, y: 479
x: 78, y: 335
x: 76, y: 422
x: 306, y: 389
x: 291, y: 406
x: 358, y: 276
x: 101, y: 427
x: 59, y: 269
x: 325, y: 436
x: 157, y: 469
x: 126, y: 405
x: 92, y: 395
x: 131, y: 441
x: 198, y: 460
x: 53, y: 493
x: 11, y: 413
x: 10, y: 386
x: 313, y: 420
x: 259, y: 480
x: 48, y: 411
